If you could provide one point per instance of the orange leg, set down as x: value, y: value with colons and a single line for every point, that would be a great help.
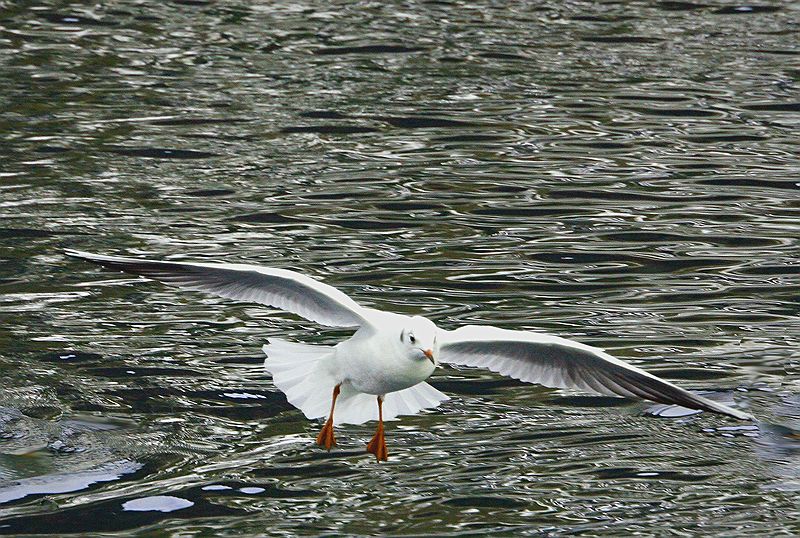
x: 377, y: 445
x: 325, y: 437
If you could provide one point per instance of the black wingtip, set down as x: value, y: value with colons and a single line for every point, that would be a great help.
x: 74, y: 253
x: 111, y: 262
x: 81, y: 255
x: 96, y: 258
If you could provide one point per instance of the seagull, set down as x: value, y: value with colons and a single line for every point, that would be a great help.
x: 380, y: 372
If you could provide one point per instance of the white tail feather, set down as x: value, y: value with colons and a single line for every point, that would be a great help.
x: 295, y: 371
x: 353, y: 407
x: 300, y: 372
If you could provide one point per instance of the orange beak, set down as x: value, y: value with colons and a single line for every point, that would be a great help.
x: 429, y: 353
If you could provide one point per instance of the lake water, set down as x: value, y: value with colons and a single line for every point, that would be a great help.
x: 622, y: 173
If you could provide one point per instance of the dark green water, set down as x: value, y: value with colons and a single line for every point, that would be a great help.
x: 621, y: 173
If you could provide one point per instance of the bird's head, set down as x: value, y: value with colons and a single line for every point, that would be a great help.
x: 418, y: 336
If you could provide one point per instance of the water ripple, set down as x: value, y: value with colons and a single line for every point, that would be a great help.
x: 622, y: 174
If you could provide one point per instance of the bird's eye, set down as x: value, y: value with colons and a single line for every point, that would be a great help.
x: 411, y: 338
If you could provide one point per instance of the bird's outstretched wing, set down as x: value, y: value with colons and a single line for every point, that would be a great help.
x: 557, y: 362
x: 280, y: 288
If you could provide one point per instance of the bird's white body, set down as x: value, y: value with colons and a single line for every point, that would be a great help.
x: 376, y: 361
x: 391, y: 355
x: 375, y: 366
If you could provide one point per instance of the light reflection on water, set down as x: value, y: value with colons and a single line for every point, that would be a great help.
x: 623, y: 174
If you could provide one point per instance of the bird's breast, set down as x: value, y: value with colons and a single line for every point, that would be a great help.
x: 375, y: 369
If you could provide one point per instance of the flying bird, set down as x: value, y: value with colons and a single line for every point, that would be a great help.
x: 379, y: 373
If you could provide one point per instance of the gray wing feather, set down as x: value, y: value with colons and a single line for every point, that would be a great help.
x: 557, y: 362
x: 280, y: 288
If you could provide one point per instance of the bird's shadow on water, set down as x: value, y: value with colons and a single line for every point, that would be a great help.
x: 775, y: 434
x: 778, y: 442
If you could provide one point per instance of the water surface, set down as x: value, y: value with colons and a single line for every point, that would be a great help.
x: 624, y: 174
